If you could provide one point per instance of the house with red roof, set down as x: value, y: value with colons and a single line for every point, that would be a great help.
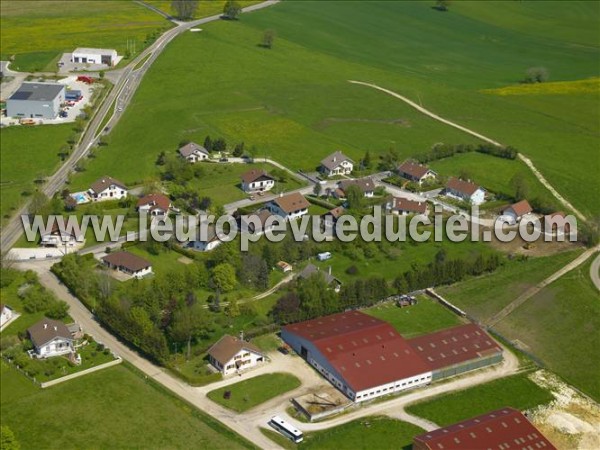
x: 517, y: 210
x: 415, y: 172
x: 154, y: 204
x: 465, y: 191
x: 504, y: 428
x: 404, y: 206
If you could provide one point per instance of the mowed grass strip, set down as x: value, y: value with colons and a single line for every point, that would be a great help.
x: 381, y: 433
x: 516, y: 391
x: 426, y: 316
x: 564, y: 334
x: 135, y: 412
x: 254, y: 391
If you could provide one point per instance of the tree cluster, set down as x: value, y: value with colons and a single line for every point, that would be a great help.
x: 441, y: 151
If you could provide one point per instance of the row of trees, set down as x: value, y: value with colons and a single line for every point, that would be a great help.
x: 441, y: 151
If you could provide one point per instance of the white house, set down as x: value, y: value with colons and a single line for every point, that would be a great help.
x: 193, y: 152
x: 465, y: 190
x: 336, y: 164
x: 5, y: 314
x: 128, y: 263
x: 105, y: 56
x: 206, y: 243
x: 65, y: 237
x: 517, y: 210
x: 50, y: 338
x: 366, y: 185
x: 157, y: 205
x: 404, y: 206
x: 290, y: 206
x: 107, y: 188
x: 230, y: 355
x: 257, y: 180
x: 415, y: 172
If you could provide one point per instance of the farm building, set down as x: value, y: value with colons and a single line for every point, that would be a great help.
x: 501, y: 429
x: 365, y: 357
x: 105, y: 56
x: 36, y: 101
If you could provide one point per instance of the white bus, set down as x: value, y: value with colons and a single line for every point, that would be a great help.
x: 288, y: 430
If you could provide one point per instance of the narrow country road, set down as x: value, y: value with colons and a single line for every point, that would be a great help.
x: 595, y: 272
x: 523, y: 158
x: 501, y: 315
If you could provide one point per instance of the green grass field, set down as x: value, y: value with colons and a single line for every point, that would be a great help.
x: 380, y: 433
x: 295, y: 104
x: 205, y: 9
x: 36, y: 34
x: 426, y: 316
x: 252, y: 392
x: 516, y: 391
x: 116, y: 400
x: 564, y: 334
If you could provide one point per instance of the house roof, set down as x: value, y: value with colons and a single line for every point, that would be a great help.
x: 127, y: 260
x: 503, y: 428
x: 255, y: 174
x: 464, y: 187
x: 75, y: 231
x: 104, y: 183
x: 336, y: 213
x: 46, y: 330
x: 454, y: 345
x: 365, y: 184
x: 228, y: 346
x: 334, y: 160
x: 404, y: 204
x: 413, y: 169
x: 94, y: 51
x: 262, y: 217
x: 291, y: 202
x: 38, y: 92
x: 521, y: 208
x: 311, y: 269
x: 367, y: 352
x: 155, y: 200
x: 191, y: 148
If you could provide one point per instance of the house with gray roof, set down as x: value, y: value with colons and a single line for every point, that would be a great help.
x: 336, y: 164
x: 36, y: 101
x: 50, y: 338
x: 193, y: 152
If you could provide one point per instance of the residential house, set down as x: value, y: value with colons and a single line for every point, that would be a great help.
x: 257, y: 222
x: 207, y: 242
x: 465, y: 190
x: 193, y: 152
x: 331, y: 281
x: 107, y: 188
x: 517, y: 210
x: 230, y: 355
x: 157, y: 205
x: 50, y: 338
x: 336, y: 164
x: 404, y: 206
x: 6, y: 314
x: 290, y: 206
x: 366, y: 185
x: 284, y: 267
x: 62, y: 236
x: 334, y: 214
x: 257, y: 180
x: 128, y: 263
x: 415, y: 172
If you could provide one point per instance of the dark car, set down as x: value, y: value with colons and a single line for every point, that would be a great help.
x: 284, y: 350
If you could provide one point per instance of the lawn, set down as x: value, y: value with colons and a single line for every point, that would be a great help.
x: 380, y: 433
x: 302, y: 107
x: 481, y: 297
x: 37, y: 35
x: 267, y: 342
x: 164, y: 262
x: 516, y: 391
x: 254, y: 391
x: 427, y: 316
x: 28, y: 153
x: 146, y: 417
x: 564, y: 334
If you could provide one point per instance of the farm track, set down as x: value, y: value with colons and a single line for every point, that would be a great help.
x: 523, y: 158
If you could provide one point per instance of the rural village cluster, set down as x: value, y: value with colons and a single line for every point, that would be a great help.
x: 348, y: 359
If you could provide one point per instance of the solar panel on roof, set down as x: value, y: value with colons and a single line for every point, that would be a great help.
x: 20, y: 95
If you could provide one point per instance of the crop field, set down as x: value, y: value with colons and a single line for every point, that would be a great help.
x: 295, y: 105
x: 205, y: 9
x: 517, y: 391
x: 567, y: 316
x: 427, y: 316
x: 99, y: 397
x: 36, y: 35
x: 28, y: 153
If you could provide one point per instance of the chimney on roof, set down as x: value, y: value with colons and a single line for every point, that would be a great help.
x: 45, y: 326
x: 280, y: 194
x: 334, y: 158
x: 242, y: 335
x: 55, y: 328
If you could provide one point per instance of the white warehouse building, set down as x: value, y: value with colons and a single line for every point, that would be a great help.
x: 105, y: 56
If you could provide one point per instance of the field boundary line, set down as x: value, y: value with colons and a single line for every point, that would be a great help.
x: 71, y: 376
x: 523, y: 158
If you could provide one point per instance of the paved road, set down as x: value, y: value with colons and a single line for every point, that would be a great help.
x: 595, y: 272
x: 523, y: 158
x: 501, y: 315
x: 122, y: 92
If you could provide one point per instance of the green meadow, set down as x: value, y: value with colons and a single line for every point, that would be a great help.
x: 293, y: 102
x: 37, y: 32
